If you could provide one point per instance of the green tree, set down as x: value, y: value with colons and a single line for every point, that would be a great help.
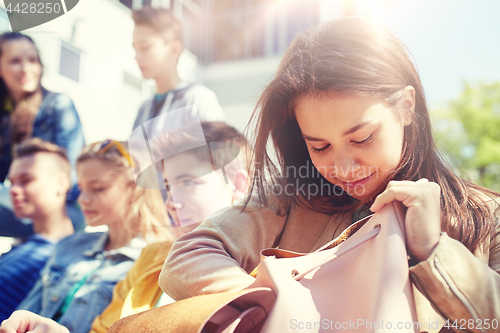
x: 467, y: 132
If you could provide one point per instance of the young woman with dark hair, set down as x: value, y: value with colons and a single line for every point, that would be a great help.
x: 347, y: 118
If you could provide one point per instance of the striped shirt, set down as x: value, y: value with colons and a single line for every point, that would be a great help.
x: 19, y: 269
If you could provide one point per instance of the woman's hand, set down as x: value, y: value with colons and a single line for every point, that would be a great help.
x: 423, y: 216
x: 22, y: 321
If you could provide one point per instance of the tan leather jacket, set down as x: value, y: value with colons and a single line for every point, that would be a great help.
x: 219, y: 255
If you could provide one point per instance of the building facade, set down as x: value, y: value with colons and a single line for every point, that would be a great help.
x: 232, y: 46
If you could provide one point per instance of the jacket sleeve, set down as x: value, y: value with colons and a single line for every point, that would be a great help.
x: 459, y: 285
x: 68, y: 131
x: 206, y: 103
x: 219, y: 254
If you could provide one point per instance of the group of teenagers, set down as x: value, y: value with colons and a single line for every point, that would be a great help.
x: 346, y: 98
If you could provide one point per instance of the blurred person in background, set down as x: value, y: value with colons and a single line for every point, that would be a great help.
x: 27, y: 110
x: 40, y: 177
x: 139, y: 291
x: 158, y: 43
x: 200, y: 185
x: 77, y: 282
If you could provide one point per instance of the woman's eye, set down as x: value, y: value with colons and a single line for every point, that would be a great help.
x: 98, y: 189
x: 319, y: 150
x: 363, y: 142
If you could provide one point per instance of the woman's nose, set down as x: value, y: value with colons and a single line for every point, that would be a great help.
x: 28, y: 66
x: 347, y: 165
x: 25, y: 66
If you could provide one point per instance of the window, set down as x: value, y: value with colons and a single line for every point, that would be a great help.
x: 230, y: 30
x: 70, y: 62
x: 127, y: 3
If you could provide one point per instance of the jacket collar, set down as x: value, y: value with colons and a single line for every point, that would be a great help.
x: 132, y: 250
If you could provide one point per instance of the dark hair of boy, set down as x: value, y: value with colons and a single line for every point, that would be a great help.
x: 224, y: 141
x: 33, y: 146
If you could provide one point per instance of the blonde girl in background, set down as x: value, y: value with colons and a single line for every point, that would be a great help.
x: 77, y: 282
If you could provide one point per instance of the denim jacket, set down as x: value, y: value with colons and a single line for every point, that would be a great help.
x: 56, y: 121
x: 74, y: 257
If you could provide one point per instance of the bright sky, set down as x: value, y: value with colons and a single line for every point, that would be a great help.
x: 451, y: 41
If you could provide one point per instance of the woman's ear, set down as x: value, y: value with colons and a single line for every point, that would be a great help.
x: 408, y: 105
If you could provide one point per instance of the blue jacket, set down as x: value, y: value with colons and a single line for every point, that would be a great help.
x: 75, y: 257
x: 57, y: 121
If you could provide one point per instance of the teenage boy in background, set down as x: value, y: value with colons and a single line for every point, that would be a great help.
x: 158, y: 43
x: 40, y: 177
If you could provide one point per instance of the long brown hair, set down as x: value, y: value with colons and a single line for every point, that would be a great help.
x: 24, y: 112
x: 356, y: 56
x: 147, y: 211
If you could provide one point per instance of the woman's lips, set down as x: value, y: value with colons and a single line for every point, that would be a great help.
x: 89, y: 212
x: 357, y: 182
x: 25, y: 79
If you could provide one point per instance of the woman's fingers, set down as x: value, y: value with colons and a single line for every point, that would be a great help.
x: 39, y: 329
x: 399, y: 193
x: 16, y: 323
x: 398, y: 190
x: 7, y: 328
x: 422, y: 219
x: 22, y: 321
x: 42, y: 328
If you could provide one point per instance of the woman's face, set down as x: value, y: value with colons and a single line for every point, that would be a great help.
x: 104, y: 197
x: 354, y: 142
x: 20, y: 67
